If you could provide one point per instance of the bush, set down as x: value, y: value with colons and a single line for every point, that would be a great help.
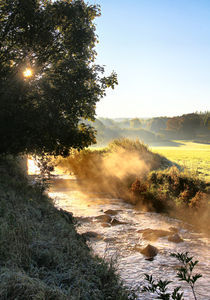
x: 170, y: 191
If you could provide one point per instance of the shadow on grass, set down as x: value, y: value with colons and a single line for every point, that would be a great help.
x: 166, y: 143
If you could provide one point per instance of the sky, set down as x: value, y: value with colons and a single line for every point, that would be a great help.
x: 160, y: 50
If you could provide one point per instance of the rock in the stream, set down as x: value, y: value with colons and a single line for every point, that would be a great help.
x: 107, y: 221
x: 115, y: 222
x: 175, y: 238
x: 153, y: 234
x: 149, y: 251
x: 104, y: 218
x: 105, y: 225
x: 83, y: 219
x: 111, y: 212
x: 149, y: 258
x: 174, y: 229
x: 109, y: 240
x: 91, y: 234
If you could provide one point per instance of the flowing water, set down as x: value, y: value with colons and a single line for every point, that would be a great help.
x: 122, y: 241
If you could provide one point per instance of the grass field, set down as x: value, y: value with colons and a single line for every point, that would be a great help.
x: 194, y: 157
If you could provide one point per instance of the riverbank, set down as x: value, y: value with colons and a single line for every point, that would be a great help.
x: 41, y: 254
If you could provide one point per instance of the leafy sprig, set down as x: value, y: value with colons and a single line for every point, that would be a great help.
x: 185, y: 273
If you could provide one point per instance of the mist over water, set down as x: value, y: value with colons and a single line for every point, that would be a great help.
x: 114, y: 169
x: 119, y: 242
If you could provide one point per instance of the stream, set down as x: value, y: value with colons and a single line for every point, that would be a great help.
x: 122, y: 240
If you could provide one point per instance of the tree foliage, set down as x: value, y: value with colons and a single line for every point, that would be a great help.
x: 44, y: 113
x: 156, y: 124
x: 135, y: 123
x: 186, y: 124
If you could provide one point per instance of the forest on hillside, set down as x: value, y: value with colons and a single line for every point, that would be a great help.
x: 155, y: 131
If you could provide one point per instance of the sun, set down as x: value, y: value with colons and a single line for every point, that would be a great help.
x: 28, y: 72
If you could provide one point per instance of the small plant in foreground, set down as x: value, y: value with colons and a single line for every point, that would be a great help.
x: 184, y: 274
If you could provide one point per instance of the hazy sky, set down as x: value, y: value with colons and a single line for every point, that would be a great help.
x: 160, y: 50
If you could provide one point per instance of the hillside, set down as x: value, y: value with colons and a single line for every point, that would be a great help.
x: 158, y: 131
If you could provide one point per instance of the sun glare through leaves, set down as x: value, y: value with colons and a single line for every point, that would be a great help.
x: 33, y: 169
x: 28, y: 73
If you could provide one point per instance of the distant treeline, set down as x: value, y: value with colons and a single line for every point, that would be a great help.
x: 154, y: 131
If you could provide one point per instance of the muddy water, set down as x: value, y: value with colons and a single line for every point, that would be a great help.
x: 122, y: 241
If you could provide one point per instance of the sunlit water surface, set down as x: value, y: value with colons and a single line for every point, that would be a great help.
x: 118, y: 242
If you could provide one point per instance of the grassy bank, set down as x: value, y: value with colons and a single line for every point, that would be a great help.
x: 41, y: 254
x: 190, y: 155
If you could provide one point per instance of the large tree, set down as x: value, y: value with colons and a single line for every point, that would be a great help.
x: 49, y: 82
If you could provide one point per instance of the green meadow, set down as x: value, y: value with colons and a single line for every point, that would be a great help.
x: 193, y: 157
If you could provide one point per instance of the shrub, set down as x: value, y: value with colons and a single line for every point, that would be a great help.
x: 185, y: 273
x: 168, y: 190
